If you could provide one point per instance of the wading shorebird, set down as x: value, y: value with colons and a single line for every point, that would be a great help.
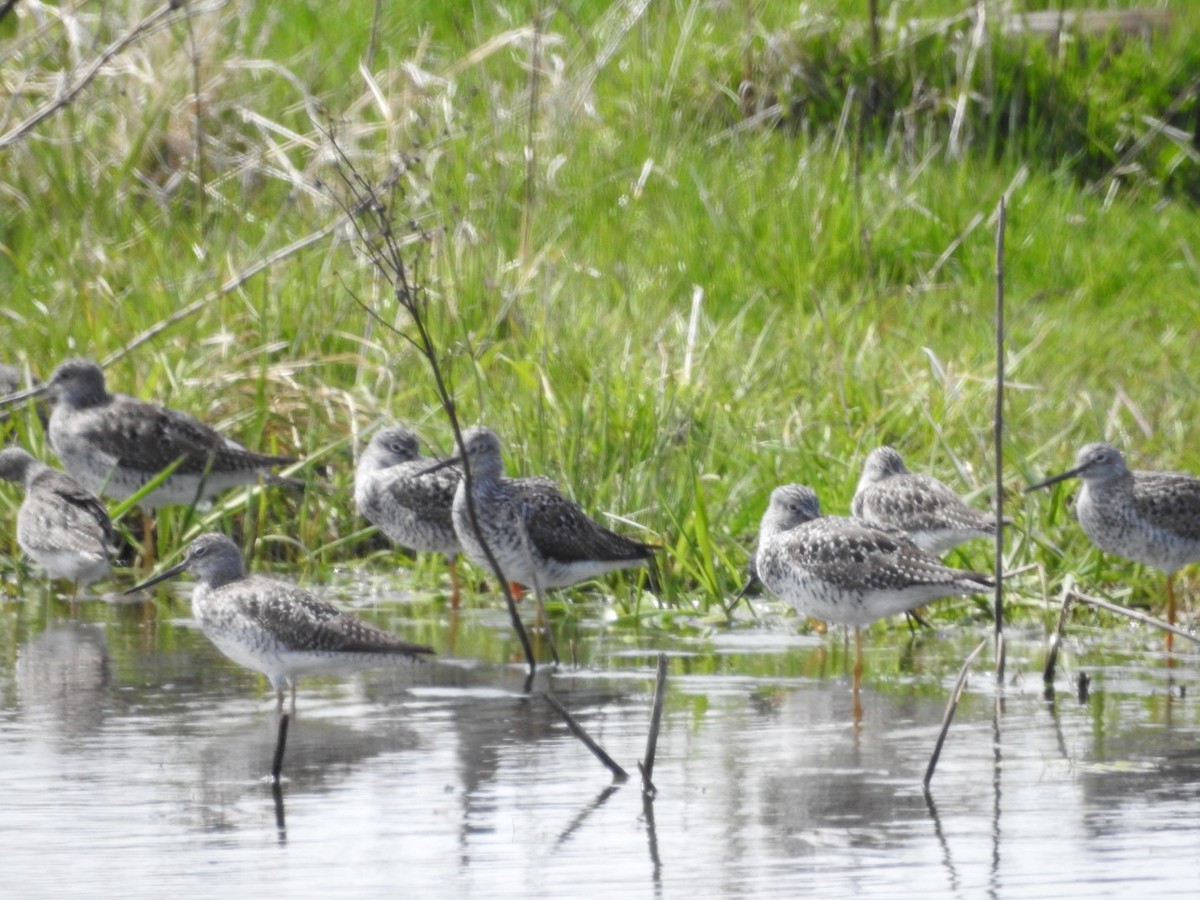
x: 114, y: 444
x: 395, y: 490
x: 276, y: 627
x: 1151, y: 518
x: 539, y: 538
x: 60, y: 526
x: 847, y: 571
x: 927, y: 510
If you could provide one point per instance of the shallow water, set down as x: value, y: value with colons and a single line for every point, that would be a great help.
x: 134, y: 758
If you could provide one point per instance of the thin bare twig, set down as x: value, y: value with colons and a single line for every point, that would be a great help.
x: 1134, y: 615
x: 382, y: 248
x: 951, y: 706
x: 1055, y: 644
x: 576, y: 729
x: 999, y: 438
x: 64, y: 99
x: 646, y: 767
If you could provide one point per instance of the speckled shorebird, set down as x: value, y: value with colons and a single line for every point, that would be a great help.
x: 847, y: 571
x: 395, y: 490
x: 927, y: 510
x: 114, y: 444
x: 1149, y: 517
x: 60, y: 526
x: 276, y: 627
x: 539, y: 538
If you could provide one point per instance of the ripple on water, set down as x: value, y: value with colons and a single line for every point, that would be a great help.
x: 449, y: 780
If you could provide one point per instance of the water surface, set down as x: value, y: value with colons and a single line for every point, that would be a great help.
x: 134, y: 758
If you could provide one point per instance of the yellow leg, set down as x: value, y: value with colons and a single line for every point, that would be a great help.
x: 452, y: 563
x: 452, y: 633
x: 858, y: 670
x: 147, y: 541
x: 1170, y: 610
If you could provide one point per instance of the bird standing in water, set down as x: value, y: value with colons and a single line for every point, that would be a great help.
x: 847, y: 571
x: 276, y: 627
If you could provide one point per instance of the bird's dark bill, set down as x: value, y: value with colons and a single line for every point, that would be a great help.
x: 1062, y: 476
x: 160, y: 577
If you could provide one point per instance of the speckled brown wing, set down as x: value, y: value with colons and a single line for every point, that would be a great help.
x: 80, y: 509
x: 431, y: 494
x: 860, y: 557
x: 146, y: 437
x: 301, y: 621
x: 561, y: 530
x: 1171, y: 500
x: 918, y: 503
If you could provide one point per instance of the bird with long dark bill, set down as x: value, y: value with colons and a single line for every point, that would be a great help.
x: 274, y: 626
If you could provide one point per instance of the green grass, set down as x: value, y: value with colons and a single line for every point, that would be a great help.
x: 846, y: 260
